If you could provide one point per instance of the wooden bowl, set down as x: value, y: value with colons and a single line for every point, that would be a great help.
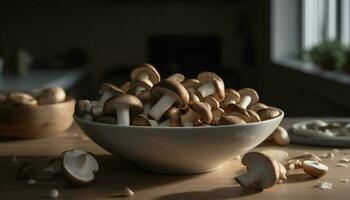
x: 25, y: 122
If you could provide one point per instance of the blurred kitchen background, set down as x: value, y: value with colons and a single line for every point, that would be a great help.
x: 293, y: 52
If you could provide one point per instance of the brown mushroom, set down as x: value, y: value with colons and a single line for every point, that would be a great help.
x: 171, y: 117
x: 253, y: 116
x: 52, y: 95
x: 231, y: 97
x: 212, y: 84
x: 198, y: 110
x: 234, y: 110
x: 144, y: 72
x: 125, y: 87
x: 314, y: 168
x: 136, y: 87
x: 217, y: 114
x: 169, y: 93
x: 268, y: 113
x: 280, y: 136
x: 230, y: 120
x: 177, y: 77
x: 107, y: 91
x: 122, y: 106
x: 21, y: 99
x: 83, y: 109
x: 191, y: 85
x: 142, y: 120
x: 248, y: 97
x: 212, y: 102
x: 258, y: 106
x: 147, y: 100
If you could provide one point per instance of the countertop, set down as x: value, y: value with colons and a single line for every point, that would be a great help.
x: 116, y: 174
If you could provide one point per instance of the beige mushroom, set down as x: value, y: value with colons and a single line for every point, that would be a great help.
x: 276, y: 154
x: 142, y: 120
x: 314, y: 168
x: 21, y: 99
x: 253, y: 116
x: 268, y: 113
x: 125, y: 87
x: 237, y: 110
x: 107, y: 91
x: 52, y: 95
x: 280, y: 136
x: 177, y: 77
x: 123, y: 105
x: 136, y: 87
x: 171, y: 117
x: 191, y: 85
x: 230, y: 120
x: 145, y: 72
x: 212, y: 84
x: 169, y: 93
x: 258, y: 106
x: 231, y: 97
x: 198, y: 110
x: 212, y: 102
x: 147, y: 100
x: 248, y: 97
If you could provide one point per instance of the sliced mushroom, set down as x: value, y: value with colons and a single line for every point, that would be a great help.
x: 230, y: 120
x: 314, y: 168
x: 280, y: 136
x: 138, y: 86
x: 147, y: 100
x: 177, y: 77
x: 125, y: 87
x: 169, y: 93
x: 146, y: 72
x: 262, y: 171
x: 231, y: 97
x: 171, y: 117
x: 123, y: 105
x: 21, y: 99
x: 142, y: 120
x: 198, y: 110
x: 253, y: 116
x: 212, y: 102
x: 248, y: 97
x: 107, y: 91
x: 79, y: 167
x: 212, y: 84
x: 191, y: 85
x: 258, y: 106
x: 52, y: 95
x: 268, y: 113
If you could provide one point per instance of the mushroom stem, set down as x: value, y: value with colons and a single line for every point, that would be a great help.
x: 123, y: 115
x: 245, y: 101
x: 189, y: 118
x: 139, y: 89
x: 191, y: 90
x: 163, y: 104
x: 206, y: 89
x: 251, y: 176
x: 146, y: 108
x: 143, y: 76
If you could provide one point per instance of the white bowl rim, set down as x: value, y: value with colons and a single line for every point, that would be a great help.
x: 180, y: 127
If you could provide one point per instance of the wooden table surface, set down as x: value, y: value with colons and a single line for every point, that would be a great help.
x: 116, y: 174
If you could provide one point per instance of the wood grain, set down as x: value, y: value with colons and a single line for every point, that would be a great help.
x: 116, y: 174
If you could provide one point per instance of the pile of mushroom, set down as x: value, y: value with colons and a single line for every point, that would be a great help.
x: 148, y: 100
x: 268, y: 167
x: 45, y: 96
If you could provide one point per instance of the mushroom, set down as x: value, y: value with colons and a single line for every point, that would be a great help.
x: 147, y: 100
x: 253, y: 116
x: 314, y: 168
x: 280, y: 136
x: 83, y: 109
x: 79, y: 167
x: 177, y: 77
x: 53, y: 167
x: 52, y: 95
x: 191, y: 85
x: 123, y: 105
x: 258, y: 106
x: 125, y: 87
x: 136, y: 87
x: 22, y: 99
x: 171, y: 117
x: 217, y: 114
x: 248, y: 97
x: 262, y: 171
x: 145, y: 72
x: 237, y: 110
x: 107, y: 91
x: 212, y: 84
x: 106, y: 119
x: 231, y: 97
x: 230, y: 120
x: 198, y: 110
x: 268, y: 113
x: 212, y: 102
x: 142, y: 120
x: 169, y: 93
x: 276, y: 154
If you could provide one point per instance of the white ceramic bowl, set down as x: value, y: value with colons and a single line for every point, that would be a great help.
x: 179, y: 150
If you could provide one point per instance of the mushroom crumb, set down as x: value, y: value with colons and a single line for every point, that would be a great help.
x: 32, y: 182
x: 328, y: 155
x: 54, y: 194
x: 324, y: 185
x: 344, y: 180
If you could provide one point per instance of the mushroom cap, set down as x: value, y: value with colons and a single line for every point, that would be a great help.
x: 258, y: 106
x: 280, y: 136
x: 268, y: 113
x: 135, y: 105
x: 125, y: 87
x: 271, y: 169
x: 152, y: 72
x: 106, y: 119
x: 20, y: 98
x: 314, y: 168
x: 173, y: 113
x: 52, y: 95
x: 109, y: 87
x: 205, y: 77
x: 203, y: 110
x: 217, y: 114
x: 79, y: 167
x: 250, y: 92
x: 191, y: 83
x: 147, y: 84
x: 231, y: 95
x: 212, y: 102
x: 80, y: 107
x: 229, y: 120
x: 254, y: 117
x: 237, y: 110
x: 171, y: 88
x: 142, y: 120
x: 177, y: 77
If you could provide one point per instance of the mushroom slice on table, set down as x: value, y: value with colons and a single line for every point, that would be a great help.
x: 268, y: 113
x: 258, y: 106
x: 147, y: 100
x: 253, y: 116
x: 177, y: 77
x: 138, y: 86
x: 212, y: 84
x: 248, y: 97
x: 262, y: 171
x: 142, y: 120
x: 79, y: 167
x: 52, y: 95
x: 191, y: 85
x: 144, y: 72
x: 169, y: 93
x: 314, y: 168
x: 198, y: 110
x: 107, y: 91
x: 237, y: 110
x: 230, y: 120
x: 171, y: 117
x: 22, y: 99
x: 123, y: 105
x: 231, y: 97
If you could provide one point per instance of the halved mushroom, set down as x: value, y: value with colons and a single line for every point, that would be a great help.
x: 146, y: 72
x: 123, y: 105
x: 280, y: 136
x: 212, y: 84
x: 253, y: 116
x: 171, y: 117
x: 231, y: 97
x: 142, y: 120
x: 125, y: 87
x: 169, y: 93
x: 230, y: 120
x: 21, y: 99
x: 248, y: 97
x: 262, y: 171
x: 268, y: 113
x: 147, y: 100
x: 177, y: 77
x: 315, y: 168
x: 107, y: 91
x: 198, y: 110
x: 258, y: 106
x: 191, y: 85
x: 79, y: 167
x: 52, y: 95
x: 138, y: 86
